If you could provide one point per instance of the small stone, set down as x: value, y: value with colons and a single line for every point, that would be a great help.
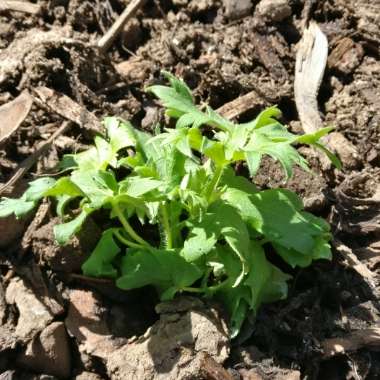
x: 34, y: 316
x: 7, y: 339
x: 49, y: 353
x: 346, y: 56
x: 235, y: 9
x: 273, y: 10
x: 135, y: 69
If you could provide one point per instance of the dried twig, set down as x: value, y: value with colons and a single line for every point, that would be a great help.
x: 353, y: 262
x: 106, y: 41
x: 260, y: 96
x: 241, y: 104
x: 67, y: 108
x: 20, y: 6
x: 358, y: 339
x: 31, y: 160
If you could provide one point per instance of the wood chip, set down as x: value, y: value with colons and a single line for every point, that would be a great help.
x: 369, y: 338
x: 12, y: 115
x: 262, y: 96
x: 67, y: 108
x: 242, y: 104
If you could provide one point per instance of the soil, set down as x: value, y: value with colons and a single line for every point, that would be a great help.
x: 224, y: 49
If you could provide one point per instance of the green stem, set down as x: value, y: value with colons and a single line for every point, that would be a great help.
x: 208, y: 289
x: 131, y: 232
x: 192, y: 290
x: 205, y: 278
x: 126, y: 241
x: 214, y: 181
x: 166, y: 226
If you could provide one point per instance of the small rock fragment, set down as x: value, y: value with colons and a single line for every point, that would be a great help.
x: 273, y: 10
x: 49, y: 353
x: 173, y: 348
x: 348, y: 153
x: 235, y: 9
x: 87, y: 323
x: 34, y: 316
x: 346, y: 56
x: 135, y: 69
x: 7, y: 340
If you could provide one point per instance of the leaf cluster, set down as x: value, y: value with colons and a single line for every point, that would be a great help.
x: 180, y: 219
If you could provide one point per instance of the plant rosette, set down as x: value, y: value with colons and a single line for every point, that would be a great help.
x: 213, y: 227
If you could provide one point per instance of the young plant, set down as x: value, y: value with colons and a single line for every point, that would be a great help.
x: 210, y: 228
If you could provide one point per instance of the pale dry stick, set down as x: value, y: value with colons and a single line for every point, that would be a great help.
x: 31, y: 160
x: 310, y: 67
x: 20, y: 6
x: 106, y: 41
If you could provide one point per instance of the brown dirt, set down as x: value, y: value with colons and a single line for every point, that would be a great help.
x: 223, y: 49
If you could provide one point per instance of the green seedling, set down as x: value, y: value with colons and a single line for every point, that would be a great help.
x: 209, y: 229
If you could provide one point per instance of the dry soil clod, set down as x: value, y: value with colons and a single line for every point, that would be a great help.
x: 31, y: 160
x: 34, y: 316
